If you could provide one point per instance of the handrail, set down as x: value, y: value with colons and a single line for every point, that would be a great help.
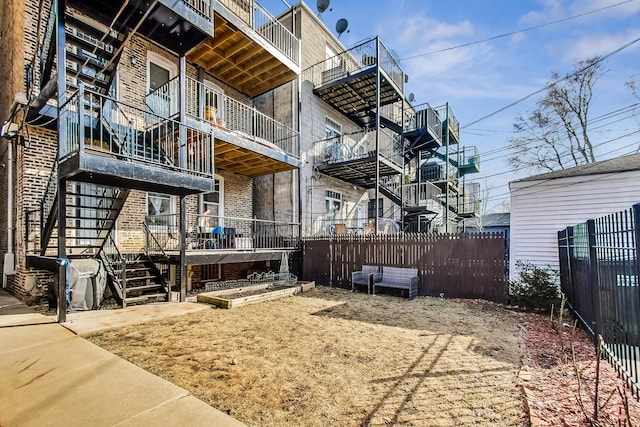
x: 201, y: 7
x: 148, y: 137
x: 112, y: 257
x: 49, y: 198
x: 224, y: 112
x: 47, y: 40
x: 449, y: 122
x: 265, y: 24
x: 361, y: 57
x: 356, y: 145
x: 222, y: 233
x: 150, y: 238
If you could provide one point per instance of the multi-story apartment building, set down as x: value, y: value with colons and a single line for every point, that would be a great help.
x: 133, y: 136
x: 368, y: 154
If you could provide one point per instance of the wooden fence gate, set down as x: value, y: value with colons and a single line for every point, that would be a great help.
x: 450, y: 265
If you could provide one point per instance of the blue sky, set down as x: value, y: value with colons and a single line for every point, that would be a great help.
x: 480, y: 79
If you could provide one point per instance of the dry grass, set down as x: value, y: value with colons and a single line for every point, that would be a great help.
x: 332, y: 357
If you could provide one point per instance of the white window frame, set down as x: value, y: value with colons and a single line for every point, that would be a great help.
x: 172, y: 205
x: 167, y: 64
x: 220, y: 180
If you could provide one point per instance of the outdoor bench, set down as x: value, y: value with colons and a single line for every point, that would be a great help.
x: 365, y: 277
x: 398, y: 278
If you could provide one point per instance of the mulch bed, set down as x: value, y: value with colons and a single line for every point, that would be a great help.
x: 559, y: 375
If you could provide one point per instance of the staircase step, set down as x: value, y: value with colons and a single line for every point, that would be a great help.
x: 145, y: 298
x: 138, y: 278
x: 142, y: 288
x: 119, y: 270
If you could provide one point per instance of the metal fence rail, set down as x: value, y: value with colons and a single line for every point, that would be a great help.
x: 600, y: 275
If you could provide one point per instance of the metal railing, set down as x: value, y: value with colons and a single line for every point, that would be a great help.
x: 47, y: 48
x: 91, y: 121
x: 469, y: 158
x: 600, y: 276
x: 449, y: 122
x: 354, y: 60
x: 425, y: 116
x: 116, y: 265
x: 207, y: 104
x: 201, y: 7
x: 164, y: 101
x: 357, y: 145
x: 221, y: 233
x: 265, y: 24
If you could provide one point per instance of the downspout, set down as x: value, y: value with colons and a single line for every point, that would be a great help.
x: 10, y: 196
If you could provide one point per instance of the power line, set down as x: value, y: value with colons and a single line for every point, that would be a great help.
x: 553, y: 83
x: 511, y: 33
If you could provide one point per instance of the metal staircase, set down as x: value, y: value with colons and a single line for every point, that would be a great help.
x: 133, y: 278
x: 91, y: 212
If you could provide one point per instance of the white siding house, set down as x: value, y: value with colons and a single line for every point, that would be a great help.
x: 542, y: 205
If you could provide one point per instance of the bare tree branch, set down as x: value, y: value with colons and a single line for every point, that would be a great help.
x: 556, y: 134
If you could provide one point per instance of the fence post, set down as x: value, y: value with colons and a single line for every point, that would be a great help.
x: 593, y: 278
x: 636, y: 231
x: 331, y: 249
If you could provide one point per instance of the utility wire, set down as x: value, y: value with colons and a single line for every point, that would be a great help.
x: 553, y: 83
x: 511, y: 33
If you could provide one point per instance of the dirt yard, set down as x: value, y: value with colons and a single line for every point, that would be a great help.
x: 330, y: 357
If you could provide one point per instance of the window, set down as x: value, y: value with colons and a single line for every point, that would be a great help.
x: 372, y: 208
x: 333, y: 60
x: 161, y: 209
x: 160, y: 71
x: 333, y: 205
x: 213, y: 204
x: 333, y: 130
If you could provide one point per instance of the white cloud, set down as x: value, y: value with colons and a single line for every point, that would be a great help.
x: 598, y: 44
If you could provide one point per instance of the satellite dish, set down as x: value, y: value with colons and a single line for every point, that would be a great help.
x: 411, y: 97
x: 322, y: 5
x: 341, y: 26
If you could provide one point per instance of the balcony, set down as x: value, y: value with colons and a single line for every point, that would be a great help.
x: 468, y: 160
x: 352, y: 157
x: 449, y: 124
x: 220, y: 239
x: 347, y: 81
x: 250, y: 49
x: 246, y: 141
x: 423, y: 131
x: 178, y: 25
x: 105, y: 141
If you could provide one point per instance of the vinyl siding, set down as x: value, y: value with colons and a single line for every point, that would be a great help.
x: 539, y: 209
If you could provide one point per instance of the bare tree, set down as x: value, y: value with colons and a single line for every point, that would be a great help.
x: 555, y: 135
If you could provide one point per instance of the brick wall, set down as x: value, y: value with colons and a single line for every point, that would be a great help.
x: 18, y: 40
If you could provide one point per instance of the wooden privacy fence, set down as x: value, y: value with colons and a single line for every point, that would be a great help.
x: 450, y: 265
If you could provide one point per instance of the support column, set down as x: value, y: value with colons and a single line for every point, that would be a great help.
x: 377, y: 192
x: 183, y: 247
x: 62, y: 183
x: 446, y: 170
x: 182, y: 154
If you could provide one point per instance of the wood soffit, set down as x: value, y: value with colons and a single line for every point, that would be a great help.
x: 240, y: 62
x: 246, y: 162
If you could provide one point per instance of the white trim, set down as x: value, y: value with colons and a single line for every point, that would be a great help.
x: 162, y: 62
x: 221, y: 200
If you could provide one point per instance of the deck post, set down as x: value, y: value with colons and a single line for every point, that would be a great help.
x: 182, y: 145
x: 377, y: 192
x: 62, y: 183
x: 183, y: 254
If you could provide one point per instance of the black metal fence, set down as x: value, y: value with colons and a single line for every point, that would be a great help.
x: 600, y: 276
